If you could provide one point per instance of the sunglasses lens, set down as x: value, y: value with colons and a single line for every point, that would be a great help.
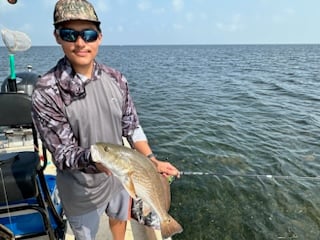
x: 89, y: 35
x: 70, y: 35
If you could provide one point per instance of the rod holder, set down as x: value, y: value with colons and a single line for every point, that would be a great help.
x: 12, y: 83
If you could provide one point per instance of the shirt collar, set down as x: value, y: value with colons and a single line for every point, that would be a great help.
x: 72, y: 85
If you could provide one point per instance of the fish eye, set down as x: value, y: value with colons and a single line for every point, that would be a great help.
x: 106, y: 149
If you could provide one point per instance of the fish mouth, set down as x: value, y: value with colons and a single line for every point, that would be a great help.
x: 97, y: 151
x: 95, y: 154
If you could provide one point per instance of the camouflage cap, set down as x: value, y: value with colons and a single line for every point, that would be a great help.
x: 66, y: 10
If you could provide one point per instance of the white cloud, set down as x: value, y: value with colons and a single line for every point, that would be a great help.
x: 49, y: 4
x: 26, y: 27
x: 177, y: 26
x: 203, y: 16
x: 159, y: 11
x: 284, y: 15
x: 190, y: 17
x: 289, y: 11
x: 144, y: 5
x: 102, y: 6
x: 120, y: 28
x: 234, y: 25
x: 122, y: 2
x: 177, y: 4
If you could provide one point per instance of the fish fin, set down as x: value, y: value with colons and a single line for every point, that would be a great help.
x: 170, y: 227
x: 129, y: 186
x: 167, y: 193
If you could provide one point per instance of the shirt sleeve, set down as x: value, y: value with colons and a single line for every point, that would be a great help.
x: 130, y: 119
x: 56, y: 133
x: 139, y: 135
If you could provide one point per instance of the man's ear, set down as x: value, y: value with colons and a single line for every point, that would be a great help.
x: 100, y: 38
x: 56, y: 36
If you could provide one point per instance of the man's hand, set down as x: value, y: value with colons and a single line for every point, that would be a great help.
x: 166, y: 168
x: 102, y: 168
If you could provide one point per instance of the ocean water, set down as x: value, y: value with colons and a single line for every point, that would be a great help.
x: 238, y: 112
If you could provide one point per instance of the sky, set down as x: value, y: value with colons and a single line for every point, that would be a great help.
x: 153, y: 22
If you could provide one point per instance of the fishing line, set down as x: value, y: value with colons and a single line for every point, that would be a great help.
x: 6, y: 197
x: 268, y: 176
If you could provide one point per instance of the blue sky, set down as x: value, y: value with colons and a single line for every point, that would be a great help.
x: 130, y: 22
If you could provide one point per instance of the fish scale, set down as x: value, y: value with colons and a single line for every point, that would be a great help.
x: 146, y: 182
x: 141, y: 181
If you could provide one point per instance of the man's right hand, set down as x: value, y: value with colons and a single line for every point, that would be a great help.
x: 102, y: 168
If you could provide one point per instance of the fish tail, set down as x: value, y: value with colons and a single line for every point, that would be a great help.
x: 170, y: 227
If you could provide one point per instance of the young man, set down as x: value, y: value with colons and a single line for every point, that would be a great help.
x: 78, y: 103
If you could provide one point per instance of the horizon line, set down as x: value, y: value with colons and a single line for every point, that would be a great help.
x: 185, y: 44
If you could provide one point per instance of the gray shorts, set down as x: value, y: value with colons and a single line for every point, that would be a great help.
x: 85, y: 227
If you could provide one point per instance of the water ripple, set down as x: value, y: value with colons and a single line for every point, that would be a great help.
x: 247, y: 109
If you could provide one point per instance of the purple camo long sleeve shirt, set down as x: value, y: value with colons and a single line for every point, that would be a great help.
x: 58, y: 89
x: 71, y: 113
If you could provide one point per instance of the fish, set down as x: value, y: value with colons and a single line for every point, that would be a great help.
x: 139, y: 176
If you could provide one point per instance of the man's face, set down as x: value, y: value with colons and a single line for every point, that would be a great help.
x: 80, y: 53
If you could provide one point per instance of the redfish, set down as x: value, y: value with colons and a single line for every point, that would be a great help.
x: 140, y: 178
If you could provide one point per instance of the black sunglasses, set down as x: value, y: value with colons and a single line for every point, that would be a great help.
x: 70, y: 35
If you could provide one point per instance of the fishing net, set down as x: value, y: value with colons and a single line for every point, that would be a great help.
x: 15, y: 41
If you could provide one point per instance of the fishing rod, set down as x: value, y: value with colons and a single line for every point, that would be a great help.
x: 268, y: 176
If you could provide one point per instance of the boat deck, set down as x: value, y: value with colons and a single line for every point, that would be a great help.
x: 134, y: 231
